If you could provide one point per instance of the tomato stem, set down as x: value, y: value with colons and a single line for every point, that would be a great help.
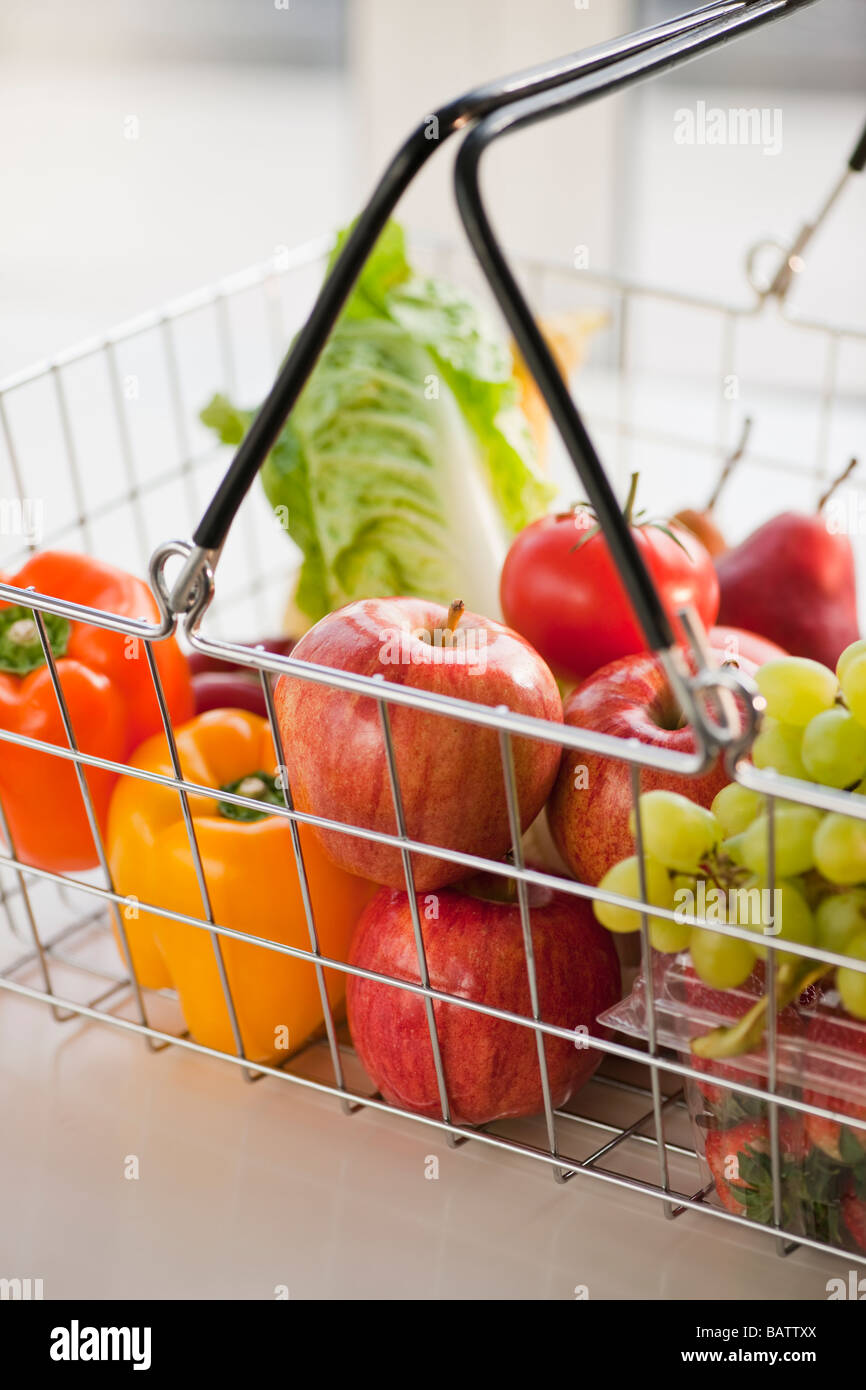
x: 630, y: 500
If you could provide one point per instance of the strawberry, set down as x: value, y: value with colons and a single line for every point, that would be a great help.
x: 854, y: 1215
x: 835, y: 1209
x: 826, y: 1037
x: 739, y: 1161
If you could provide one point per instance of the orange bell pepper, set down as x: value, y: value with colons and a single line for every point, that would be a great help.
x: 109, y: 692
x: 252, y: 882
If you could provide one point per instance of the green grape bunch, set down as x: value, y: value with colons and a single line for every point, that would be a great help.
x: 714, y: 864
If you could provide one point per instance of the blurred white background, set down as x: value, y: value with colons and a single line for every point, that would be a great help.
x: 151, y: 148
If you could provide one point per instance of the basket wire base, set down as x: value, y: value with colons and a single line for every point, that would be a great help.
x: 597, y: 1145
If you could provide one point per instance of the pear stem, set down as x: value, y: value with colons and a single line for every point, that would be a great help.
x: 731, y: 463
x: 837, y: 483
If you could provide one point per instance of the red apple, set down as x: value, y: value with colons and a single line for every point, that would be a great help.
x: 474, y: 948
x: 449, y: 770
x: 589, y: 809
x: 735, y: 642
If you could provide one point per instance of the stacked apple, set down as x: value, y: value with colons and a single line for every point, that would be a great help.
x: 451, y: 796
x: 814, y: 730
x: 631, y: 699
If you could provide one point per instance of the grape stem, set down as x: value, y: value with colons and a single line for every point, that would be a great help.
x: 747, y: 1032
x: 722, y: 871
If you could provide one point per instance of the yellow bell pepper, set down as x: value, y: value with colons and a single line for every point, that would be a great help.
x: 252, y: 881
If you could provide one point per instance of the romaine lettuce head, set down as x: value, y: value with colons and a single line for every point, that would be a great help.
x: 406, y: 465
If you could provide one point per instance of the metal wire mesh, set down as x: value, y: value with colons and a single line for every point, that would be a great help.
x: 102, y: 409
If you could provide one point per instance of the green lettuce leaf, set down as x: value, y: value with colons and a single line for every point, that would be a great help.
x: 385, y: 267
x: 406, y: 465
x: 476, y: 364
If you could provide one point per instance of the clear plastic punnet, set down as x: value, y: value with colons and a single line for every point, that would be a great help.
x: 735, y: 1104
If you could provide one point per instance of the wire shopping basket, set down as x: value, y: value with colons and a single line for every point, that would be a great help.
x: 628, y: 1127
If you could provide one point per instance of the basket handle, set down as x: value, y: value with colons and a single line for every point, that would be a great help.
x: 582, y: 77
x: 857, y: 161
x: 523, y: 325
x: 791, y: 263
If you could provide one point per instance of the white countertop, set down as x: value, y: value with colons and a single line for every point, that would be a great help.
x: 246, y: 1187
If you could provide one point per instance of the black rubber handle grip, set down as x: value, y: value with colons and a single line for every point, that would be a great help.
x: 858, y: 159
x: 609, y: 67
x: 586, y: 88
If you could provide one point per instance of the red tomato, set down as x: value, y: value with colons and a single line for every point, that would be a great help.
x: 568, y: 600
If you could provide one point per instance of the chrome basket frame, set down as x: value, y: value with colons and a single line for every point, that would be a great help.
x: 649, y: 1081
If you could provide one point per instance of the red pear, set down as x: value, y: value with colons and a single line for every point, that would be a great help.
x: 793, y: 581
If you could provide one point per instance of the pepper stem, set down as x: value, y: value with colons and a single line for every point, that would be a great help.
x: 20, y: 646
x: 257, y: 786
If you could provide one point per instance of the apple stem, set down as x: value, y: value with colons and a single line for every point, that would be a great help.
x: 456, y: 609
x: 836, y: 483
x: 731, y: 462
x: 491, y: 888
x: 630, y: 500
